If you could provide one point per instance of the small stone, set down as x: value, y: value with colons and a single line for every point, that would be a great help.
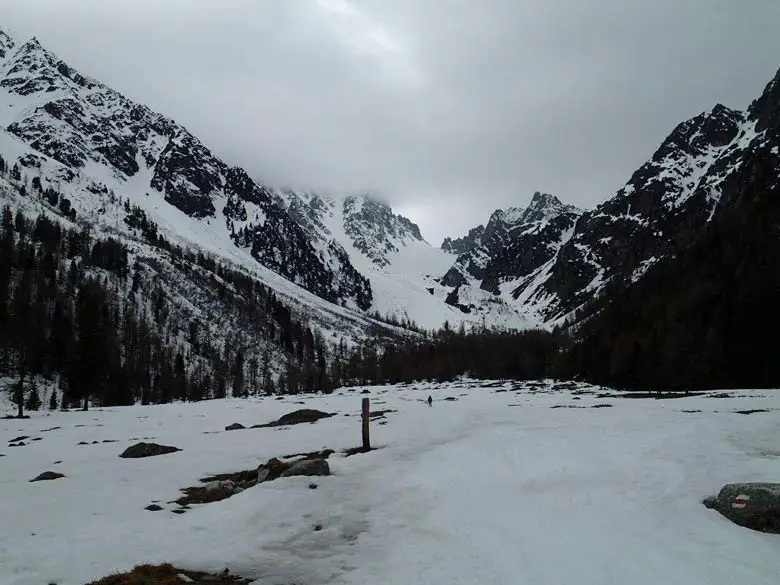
x: 312, y: 486
x: 153, y: 508
x: 179, y: 510
x: 235, y: 427
x: 317, y: 527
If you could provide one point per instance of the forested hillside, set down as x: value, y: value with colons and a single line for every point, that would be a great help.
x: 112, y: 322
x: 709, y: 318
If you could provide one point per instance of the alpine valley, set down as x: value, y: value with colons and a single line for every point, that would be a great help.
x: 228, y: 274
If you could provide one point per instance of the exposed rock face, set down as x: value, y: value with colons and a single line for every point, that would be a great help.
x: 752, y: 505
x: 82, y: 123
x: 514, y: 243
x: 375, y: 230
x: 140, y: 450
x: 676, y: 191
x: 464, y: 244
x: 705, y: 165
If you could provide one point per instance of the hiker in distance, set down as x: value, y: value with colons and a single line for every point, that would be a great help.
x: 430, y: 400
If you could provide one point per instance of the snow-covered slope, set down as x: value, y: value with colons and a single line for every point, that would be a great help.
x: 401, y: 266
x: 116, y: 145
x: 491, y: 488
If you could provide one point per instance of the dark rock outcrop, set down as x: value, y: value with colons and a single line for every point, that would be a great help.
x: 140, y: 450
x: 465, y: 244
x: 304, y: 415
x: 48, y: 476
x: 375, y: 230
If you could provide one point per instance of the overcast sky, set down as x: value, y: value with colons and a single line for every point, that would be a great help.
x: 449, y: 108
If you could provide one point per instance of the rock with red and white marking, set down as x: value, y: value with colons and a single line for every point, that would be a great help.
x: 753, y: 505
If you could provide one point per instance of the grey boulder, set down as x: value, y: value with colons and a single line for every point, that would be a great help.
x: 308, y: 467
x: 752, y: 505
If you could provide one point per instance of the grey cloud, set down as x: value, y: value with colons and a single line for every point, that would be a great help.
x: 449, y: 108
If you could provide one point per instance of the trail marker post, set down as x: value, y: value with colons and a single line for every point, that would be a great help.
x: 366, y: 418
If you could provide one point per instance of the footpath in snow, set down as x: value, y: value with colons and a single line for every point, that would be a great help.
x: 494, y: 486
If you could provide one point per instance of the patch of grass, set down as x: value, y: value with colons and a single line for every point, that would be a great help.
x: 144, y: 575
x: 358, y: 450
x: 167, y: 574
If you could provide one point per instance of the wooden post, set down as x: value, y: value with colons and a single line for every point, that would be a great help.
x: 366, y: 418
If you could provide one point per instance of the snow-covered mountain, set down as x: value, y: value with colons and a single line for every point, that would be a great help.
x: 551, y: 261
x: 514, y: 245
x: 98, y: 133
x: 350, y: 257
x: 96, y: 147
x: 402, y: 268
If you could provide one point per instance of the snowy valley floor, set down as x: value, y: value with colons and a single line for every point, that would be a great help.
x: 495, y: 487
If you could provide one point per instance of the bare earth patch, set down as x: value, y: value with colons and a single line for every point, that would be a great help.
x: 168, y: 575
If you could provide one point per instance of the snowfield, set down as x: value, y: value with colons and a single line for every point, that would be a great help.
x: 493, y: 487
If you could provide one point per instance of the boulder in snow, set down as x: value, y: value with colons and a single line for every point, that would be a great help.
x: 147, y: 450
x: 271, y: 470
x: 308, y: 467
x: 752, y: 505
x: 235, y: 427
x: 48, y: 476
x: 304, y: 415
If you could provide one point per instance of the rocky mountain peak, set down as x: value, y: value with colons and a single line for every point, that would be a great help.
x: 766, y: 109
x: 545, y: 206
x: 6, y: 44
x: 515, y: 242
x: 375, y: 230
x: 696, y: 136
